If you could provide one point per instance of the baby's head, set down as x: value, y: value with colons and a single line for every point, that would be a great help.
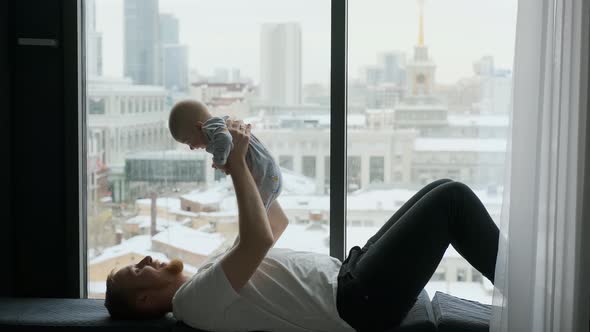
x: 185, y: 123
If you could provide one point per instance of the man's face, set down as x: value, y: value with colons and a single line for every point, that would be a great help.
x: 149, y: 273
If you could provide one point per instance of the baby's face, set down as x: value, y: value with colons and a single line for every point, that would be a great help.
x: 195, y: 140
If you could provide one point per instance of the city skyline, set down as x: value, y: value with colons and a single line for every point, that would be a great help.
x: 404, y: 131
x: 233, y: 40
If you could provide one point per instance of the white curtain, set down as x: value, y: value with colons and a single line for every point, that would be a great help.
x: 539, y: 283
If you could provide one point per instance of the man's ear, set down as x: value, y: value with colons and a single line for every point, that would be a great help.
x: 199, y: 125
x: 142, y: 300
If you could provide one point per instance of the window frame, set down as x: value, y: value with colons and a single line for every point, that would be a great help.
x: 74, y: 81
x: 338, y: 126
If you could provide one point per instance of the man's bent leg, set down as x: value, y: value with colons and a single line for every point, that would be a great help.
x: 402, y: 210
x: 386, y: 280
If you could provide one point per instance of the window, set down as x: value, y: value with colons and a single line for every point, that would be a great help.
x: 451, y: 108
x: 476, y: 276
x: 354, y: 172
x: 461, y: 274
x: 308, y: 166
x: 439, y: 275
x: 377, y: 169
x: 274, y: 60
x: 96, y: 105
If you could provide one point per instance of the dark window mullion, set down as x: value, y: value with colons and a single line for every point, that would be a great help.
x: 338, y: 109
x: 75, y: 170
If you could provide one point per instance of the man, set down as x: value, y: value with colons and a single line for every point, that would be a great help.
x: 255, y: 287
x: 216, y: 298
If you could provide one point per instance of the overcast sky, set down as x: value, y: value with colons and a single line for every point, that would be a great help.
x: 223, y: 33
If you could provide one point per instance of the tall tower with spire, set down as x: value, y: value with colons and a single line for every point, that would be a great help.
x: 420, y: 69
x: 420, y: 108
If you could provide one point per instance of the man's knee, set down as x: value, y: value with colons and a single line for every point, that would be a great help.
x: 456, y: 186
x: 438, y: 182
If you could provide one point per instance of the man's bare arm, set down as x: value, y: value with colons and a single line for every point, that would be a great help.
x: 278, y: 222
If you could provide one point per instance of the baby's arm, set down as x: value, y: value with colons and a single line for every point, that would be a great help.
x: 222, y: 146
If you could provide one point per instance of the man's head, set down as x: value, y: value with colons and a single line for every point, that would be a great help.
x: 143, y: 290
x: 185, y: 123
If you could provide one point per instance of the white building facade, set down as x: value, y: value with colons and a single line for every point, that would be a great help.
x: 124, y: 118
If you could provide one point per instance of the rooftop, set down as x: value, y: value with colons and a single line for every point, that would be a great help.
x: 191, y: 240
x: 478, y: 120
x: 460, y: 145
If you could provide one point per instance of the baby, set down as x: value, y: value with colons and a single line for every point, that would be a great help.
x: 191, y: 123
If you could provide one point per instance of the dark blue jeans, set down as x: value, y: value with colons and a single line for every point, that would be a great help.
x: 379, y: 284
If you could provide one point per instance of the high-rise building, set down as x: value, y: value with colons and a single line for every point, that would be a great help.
x: 372, y: 75
x: 280, y: 63
x: 168, y: 29
x: 93, y: 42
x: 175, y: 67
x: 393, y: 65
x: 143, y: 60
x: 484, y: 66
x: 496, y: 86
x: 236, y: 75
x: 174, y: 55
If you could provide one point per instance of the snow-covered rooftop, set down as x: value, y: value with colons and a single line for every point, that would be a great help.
x: 211, y: 196
x: 140, y: 245
x: 223, y: 194
x: 191, y: 240
x: 184, y: 213
x: 161, y: 202
x: 420, y: 107
x: 294, y: 183
x: 303, y: 198
x: 460, y: 144
x: 145, y: 221
x: 379, y: 110
x: 478, y: 120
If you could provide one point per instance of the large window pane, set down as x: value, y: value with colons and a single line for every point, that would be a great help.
x: 429, y: 91
x: 265, y: 61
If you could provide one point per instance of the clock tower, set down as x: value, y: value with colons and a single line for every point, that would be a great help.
x: 420, y: 69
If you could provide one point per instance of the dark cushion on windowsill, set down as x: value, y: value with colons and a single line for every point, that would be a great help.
x: 460, y: 315
x: 35, y: 314
x: 420, y: 318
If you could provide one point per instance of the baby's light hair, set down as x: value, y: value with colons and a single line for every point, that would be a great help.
x: 183, y: 117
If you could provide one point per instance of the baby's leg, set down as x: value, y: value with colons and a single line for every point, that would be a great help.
x: 270, y: 187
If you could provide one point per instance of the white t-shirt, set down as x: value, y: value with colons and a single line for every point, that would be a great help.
x: 290, y: 291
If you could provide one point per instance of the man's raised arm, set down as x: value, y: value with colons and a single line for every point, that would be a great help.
x: 256, y: 236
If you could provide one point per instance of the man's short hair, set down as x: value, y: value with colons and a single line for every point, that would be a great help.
x: 120, y: 301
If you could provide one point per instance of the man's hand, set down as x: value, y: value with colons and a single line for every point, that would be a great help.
x: 241, y: 139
